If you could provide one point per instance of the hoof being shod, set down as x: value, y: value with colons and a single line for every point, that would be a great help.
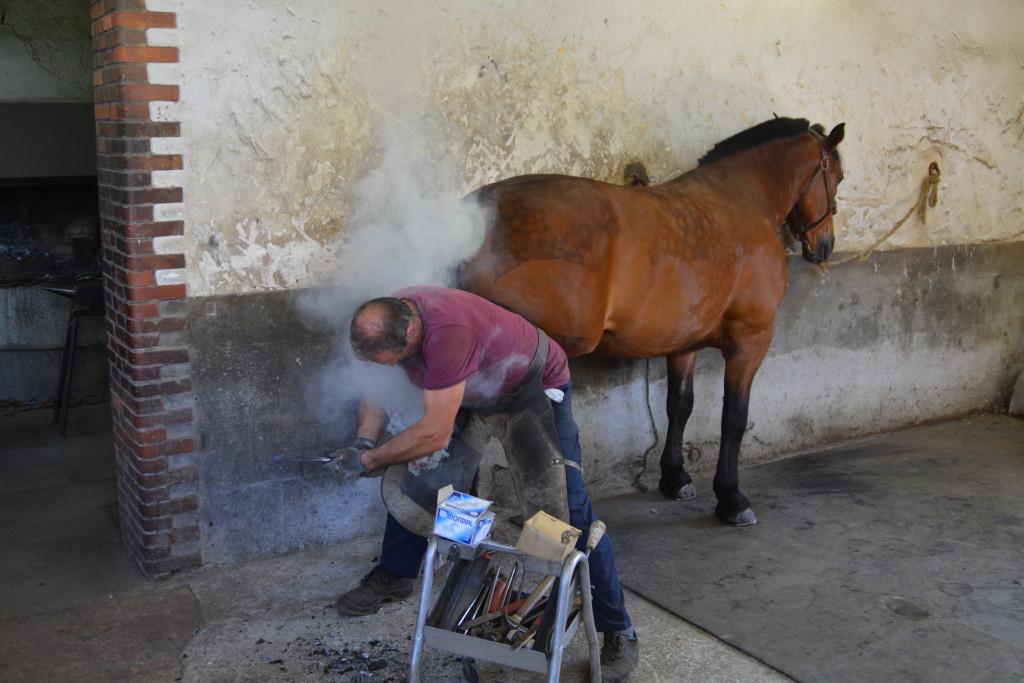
x: 742, y: 518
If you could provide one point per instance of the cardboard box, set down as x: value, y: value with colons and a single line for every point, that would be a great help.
x: 462, y: 517
x: 547, y: 537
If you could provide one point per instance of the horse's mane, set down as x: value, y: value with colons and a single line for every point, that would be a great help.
x: 758, y: 135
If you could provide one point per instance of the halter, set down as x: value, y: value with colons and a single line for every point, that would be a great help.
x: 796, y: 224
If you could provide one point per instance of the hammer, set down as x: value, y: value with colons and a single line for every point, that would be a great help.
x: 597, y: 531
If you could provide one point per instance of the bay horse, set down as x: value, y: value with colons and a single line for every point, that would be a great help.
x: 669, y: 269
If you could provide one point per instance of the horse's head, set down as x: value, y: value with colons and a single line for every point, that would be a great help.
x: 810, y: 221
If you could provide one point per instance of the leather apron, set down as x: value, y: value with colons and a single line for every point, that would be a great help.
x: 522, y: 421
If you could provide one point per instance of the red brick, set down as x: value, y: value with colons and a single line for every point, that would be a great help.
x: 170, y: 507
x: 128, y: 213
x: 144, y: 406
x: 141, y: 310
x: 123, y: 145
x: 155, y: 524
x: 166, y: 567
x: 153, y: 162
x: 151, y: 195
x: 142, y: 20
x: 183, y: 475
x: 101, y: 7
x: 166, y: 419
x: 160, y: 450
x: 147, y: 374
x: 120, y: 178
x: 131, y: 247
x: 108, y: 39
x: 146, y: 436
x: 120, y: 73
x: 172, y: 537
x: 114, y: 111
x: 147, y: 93
x: 139, y: 129
x: 164, y: 388
x: 156, y: 229
x: 172, y: 324
x: 144, y: 278
x: 129, y: 54
x: 156, y: 357
x: 158, y: 293
x: 155, y: 262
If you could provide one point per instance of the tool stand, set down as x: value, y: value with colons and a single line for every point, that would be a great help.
x: 573, y: 575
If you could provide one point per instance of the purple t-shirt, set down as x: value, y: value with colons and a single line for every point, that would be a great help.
x: 466, y: 337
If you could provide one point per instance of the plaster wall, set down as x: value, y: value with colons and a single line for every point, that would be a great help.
x: 326, y: 145
x: 45, y: 52
x: 288, y: 110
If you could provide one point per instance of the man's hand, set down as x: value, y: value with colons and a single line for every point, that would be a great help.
x: 347, y: 461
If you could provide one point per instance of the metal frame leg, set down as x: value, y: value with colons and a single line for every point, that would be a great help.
x: 66, y: 370
x: 421, y: 617
x: 575, y: 562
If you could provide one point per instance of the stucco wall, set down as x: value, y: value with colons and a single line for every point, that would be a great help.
x: 285, y: 112
x: 328, y: 143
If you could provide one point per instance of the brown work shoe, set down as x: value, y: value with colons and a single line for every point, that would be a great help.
x: 377, y: 587
x: 618, y: 656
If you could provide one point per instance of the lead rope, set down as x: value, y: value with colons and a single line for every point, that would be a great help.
x: 929, y: 196
x: 654, y: 427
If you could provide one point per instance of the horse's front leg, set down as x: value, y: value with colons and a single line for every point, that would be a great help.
x: 741, y: 364
x: 675, y: 481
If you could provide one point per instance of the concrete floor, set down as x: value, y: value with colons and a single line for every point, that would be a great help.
x: 73, y: 607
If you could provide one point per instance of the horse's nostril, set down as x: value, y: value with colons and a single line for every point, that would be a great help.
x: 824, y: 247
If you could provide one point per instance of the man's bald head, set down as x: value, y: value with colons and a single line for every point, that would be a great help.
x: 380, y: 325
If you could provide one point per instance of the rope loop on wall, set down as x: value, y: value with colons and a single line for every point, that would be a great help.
x: 928, y: 197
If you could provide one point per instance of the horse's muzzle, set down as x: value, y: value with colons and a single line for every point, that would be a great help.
x: 821, y: 250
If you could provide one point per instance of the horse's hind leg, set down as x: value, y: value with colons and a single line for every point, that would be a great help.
x: 675, y: 481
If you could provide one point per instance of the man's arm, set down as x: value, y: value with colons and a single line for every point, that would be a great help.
x: 371, y: 421
x: 430, y: 434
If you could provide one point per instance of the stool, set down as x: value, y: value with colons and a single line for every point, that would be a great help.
x: 88, y: 301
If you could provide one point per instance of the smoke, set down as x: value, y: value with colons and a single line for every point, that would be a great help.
x: 404, y: 230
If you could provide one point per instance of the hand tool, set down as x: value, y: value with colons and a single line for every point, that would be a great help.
x: 494, y: 575
x: 594, y: 536
x: 499, y: 593
x: 473, y: 606
x: 301, y: 458
x: 505, y: 606
x: 541, y: 591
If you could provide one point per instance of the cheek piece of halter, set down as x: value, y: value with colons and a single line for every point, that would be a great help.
x: 796, y: 224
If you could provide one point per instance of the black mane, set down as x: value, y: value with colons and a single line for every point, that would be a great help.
x: 758, y: 135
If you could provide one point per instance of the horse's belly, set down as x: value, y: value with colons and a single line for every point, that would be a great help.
x: 561, y: 298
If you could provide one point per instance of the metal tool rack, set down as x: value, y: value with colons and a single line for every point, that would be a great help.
x: 573, y: 572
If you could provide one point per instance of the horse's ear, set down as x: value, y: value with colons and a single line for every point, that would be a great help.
x: 836, y: 136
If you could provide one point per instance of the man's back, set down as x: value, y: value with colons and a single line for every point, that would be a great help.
x: 466, y: 337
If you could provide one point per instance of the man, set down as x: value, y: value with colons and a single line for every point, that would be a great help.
x: 468, y: 353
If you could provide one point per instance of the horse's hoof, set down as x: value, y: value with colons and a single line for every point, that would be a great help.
x: 742, y: 518
x: 686, y: 493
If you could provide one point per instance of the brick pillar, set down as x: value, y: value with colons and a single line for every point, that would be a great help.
x: 140, y: 209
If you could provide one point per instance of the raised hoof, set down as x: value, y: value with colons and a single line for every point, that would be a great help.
x: 686, y: 493
x: 742, y: 518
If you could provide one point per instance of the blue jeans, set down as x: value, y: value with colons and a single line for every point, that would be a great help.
x: 402, y: 551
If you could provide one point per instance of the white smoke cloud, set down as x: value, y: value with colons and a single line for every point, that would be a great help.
x: 404, y: 230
